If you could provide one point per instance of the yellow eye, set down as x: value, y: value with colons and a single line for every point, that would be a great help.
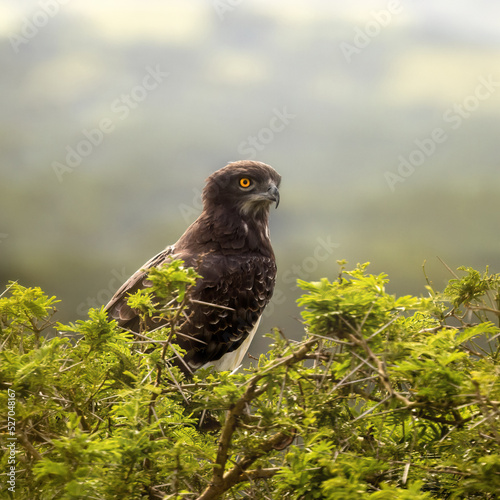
x: 245, y: 182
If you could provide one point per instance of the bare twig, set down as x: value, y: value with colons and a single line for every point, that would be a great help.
x: 203, y: 303
x: 221, y: 480
x: 379, y: 368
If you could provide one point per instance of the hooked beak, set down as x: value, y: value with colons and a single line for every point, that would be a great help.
x: 261, y: 200
x: 273, y: 194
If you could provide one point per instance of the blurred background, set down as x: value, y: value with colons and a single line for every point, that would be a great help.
x: 383, y: 117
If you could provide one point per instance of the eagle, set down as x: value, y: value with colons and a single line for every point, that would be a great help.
x: 230, y: 248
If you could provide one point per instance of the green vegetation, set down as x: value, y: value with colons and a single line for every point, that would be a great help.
x: 384, y: 398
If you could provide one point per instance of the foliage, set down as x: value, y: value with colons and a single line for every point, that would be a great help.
x: 384, y: 398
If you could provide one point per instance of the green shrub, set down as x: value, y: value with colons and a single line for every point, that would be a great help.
x: 384, y: 398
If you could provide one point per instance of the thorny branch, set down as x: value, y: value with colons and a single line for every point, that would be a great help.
x: 360, y: 341
x: 223, y: 481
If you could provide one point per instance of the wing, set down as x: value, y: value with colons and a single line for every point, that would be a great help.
x: 117, y: 307
x: 225, y: 309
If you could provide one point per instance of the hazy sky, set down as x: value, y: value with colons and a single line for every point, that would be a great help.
x: 132, y: 18
x: 233, y: 65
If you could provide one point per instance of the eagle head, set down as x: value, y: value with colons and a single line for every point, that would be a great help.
x: 250, y: 187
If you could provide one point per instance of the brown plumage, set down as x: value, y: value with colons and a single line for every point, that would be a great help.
x: 229, y: 246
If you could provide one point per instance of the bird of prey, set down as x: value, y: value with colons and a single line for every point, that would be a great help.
x: 229, y: 247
